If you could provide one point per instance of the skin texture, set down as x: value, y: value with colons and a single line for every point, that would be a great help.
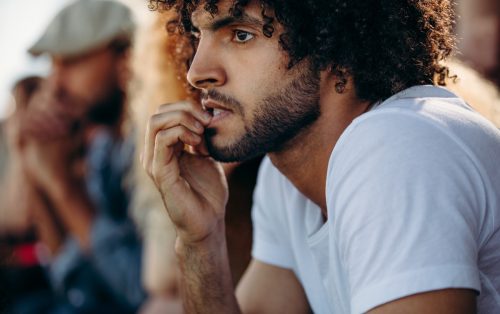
x: 270, y: 278
x: 249, y: 69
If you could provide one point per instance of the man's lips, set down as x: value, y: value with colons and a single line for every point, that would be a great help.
x: 210, y: 104
x: 214, y: 107
x: 218, y: 111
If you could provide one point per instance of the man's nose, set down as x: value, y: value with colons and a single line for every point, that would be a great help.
x: 56, y: 76
x: 206, y: 70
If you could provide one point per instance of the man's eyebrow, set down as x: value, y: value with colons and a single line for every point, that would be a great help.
x: 229, y: 20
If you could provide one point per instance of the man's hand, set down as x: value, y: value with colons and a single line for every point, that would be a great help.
x: 193, y: 185
x: 51, y: 152
x: 52, y: 164
x: 48, y: 116
x: 195, y: 193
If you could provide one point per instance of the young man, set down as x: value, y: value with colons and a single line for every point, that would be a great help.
x: 378, y: 193
x: 76, y: 157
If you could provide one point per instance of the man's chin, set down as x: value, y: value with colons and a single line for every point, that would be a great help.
x: 226, y: 152
x: 222, y: 154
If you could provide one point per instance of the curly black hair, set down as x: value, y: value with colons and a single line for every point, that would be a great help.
x: 385, y: 46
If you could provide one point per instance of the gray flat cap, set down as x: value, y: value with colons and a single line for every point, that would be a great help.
x: 85, y: 25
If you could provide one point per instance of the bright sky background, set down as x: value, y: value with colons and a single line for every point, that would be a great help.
x: 21, y: 23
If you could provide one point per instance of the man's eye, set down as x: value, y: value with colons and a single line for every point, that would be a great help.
x: 242, y: 36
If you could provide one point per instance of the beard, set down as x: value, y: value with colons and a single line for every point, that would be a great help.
x: 279, y: 118
x: 108, y: 110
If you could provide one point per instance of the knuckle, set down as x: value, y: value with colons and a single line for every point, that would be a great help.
x: 160, y: 137
x: 190, y: 105
x: 167, y: 134
x: 155, y: 119
x: 163, y: 107
x: 189, y: 136
x: 184, y: 117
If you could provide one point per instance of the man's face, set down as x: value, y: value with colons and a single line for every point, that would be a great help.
x: 87, y: 82
x: 258, y: 104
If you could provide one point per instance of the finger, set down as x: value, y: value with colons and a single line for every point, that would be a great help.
x: 167, y: 144
x: 201, y: 149
x: 164, y: 121
x: 196, y: 110
x: 163, y: 139
x: 170, y: 119
x: 167, y: 106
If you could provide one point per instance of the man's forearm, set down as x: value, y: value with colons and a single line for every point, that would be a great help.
x: 75, y: 211
x: 206, y: 282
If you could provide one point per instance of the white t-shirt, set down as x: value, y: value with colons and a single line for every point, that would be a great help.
x: 413, y: 200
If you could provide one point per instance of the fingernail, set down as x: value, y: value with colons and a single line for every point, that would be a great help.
x: 207, y: 116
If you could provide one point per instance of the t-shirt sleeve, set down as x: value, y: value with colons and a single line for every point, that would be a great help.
x: 408, y: 210
x: 270, y: 243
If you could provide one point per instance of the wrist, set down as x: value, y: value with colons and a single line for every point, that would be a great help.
x: 210, y: 243
x: 72, y: 205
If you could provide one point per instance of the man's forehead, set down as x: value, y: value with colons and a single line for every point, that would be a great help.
x: 201, y: 18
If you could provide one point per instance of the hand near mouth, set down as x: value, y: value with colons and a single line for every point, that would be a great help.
x: 192, y: 184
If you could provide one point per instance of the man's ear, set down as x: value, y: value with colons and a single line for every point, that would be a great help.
x: 341, y: 76
x: 338, y: 77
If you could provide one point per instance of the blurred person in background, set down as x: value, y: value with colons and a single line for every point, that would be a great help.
x: 75, y: 154
x: 479, y: 92
x: 14, y: 220
x: 22, y: 278
x: 478, y: 30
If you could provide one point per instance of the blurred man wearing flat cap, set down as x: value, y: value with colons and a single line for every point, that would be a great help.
x: 76, y: 154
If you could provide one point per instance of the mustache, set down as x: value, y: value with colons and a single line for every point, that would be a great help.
x: 225, y: 100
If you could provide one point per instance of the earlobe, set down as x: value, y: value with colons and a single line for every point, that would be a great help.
x: 338, y: 78
x: 340, y: 86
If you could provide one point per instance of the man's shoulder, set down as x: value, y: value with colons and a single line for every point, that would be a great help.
x: 413, y: 132
x: 424, y: 113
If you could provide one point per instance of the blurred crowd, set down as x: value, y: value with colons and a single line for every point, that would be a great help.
x: 82, y: 230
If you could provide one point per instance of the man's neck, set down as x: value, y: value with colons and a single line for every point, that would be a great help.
x: 305, y: 161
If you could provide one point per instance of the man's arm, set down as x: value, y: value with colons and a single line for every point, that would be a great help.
x: 447, y: 301
x: 206, y: 281
x: 269, y: 289
x: 206, y: 284
x: 75, y: 210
